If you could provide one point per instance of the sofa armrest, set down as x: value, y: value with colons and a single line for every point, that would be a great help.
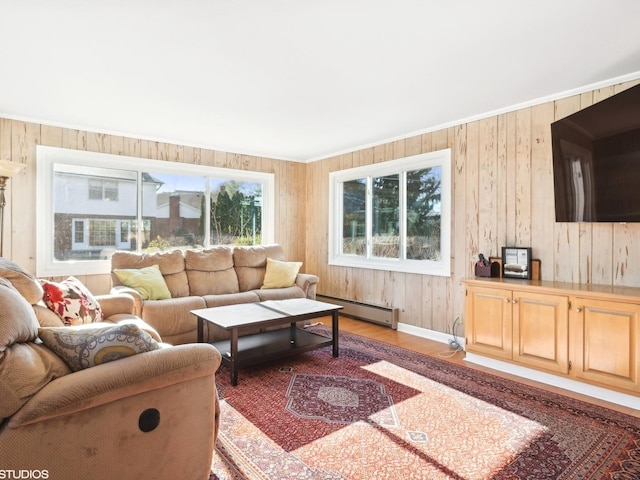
x: 308, y: 282
x: 118, y: 379
x: 137, y: 299
x: 112, y: 304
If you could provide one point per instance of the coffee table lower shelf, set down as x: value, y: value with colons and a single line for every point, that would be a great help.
x: 270, y: 345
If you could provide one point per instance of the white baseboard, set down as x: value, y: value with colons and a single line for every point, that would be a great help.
x: 575, y: 386
x: 428, y: 334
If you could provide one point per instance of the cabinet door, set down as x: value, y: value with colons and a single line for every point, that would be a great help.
x: 488, y: 321
x: 607, y: 350
x: 541, y: 331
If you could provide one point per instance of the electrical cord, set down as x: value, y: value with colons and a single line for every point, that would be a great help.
x: 453, y: 342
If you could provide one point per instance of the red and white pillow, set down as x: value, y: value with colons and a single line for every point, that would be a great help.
x: 71, y: 301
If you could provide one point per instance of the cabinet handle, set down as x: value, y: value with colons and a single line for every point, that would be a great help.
x: 506, y: 300
x: 514, y: 301
x: 578, y: 310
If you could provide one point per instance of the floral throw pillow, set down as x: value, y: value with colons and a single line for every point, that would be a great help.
x: 71, y: 301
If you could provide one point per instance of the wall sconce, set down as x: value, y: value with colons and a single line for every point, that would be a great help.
x: 7, y: 170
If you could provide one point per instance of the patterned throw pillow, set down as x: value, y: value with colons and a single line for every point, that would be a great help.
x: 71, y: 301
x: 86, y: 346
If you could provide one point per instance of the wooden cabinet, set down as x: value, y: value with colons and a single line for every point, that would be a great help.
x: 541, y: 331
x: 488, y: 327
x: 589, y: 333
x: 606, y: 347
x: 529, y: 328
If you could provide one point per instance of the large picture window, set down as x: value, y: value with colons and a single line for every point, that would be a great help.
x: 91, y: 204
x: 393, y: 215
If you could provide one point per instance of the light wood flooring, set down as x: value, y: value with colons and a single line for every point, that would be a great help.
x: 442, y: 351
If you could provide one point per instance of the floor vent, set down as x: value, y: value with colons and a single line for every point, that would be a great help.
x: 387, y: 316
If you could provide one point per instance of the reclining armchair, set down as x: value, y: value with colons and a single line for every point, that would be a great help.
x: 147, y: 415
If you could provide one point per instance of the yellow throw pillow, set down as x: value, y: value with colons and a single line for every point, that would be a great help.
x: 85, y: 346
x: 147, y: 281
x: 280, y: 274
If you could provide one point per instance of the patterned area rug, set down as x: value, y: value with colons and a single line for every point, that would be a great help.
x: 382, y: 412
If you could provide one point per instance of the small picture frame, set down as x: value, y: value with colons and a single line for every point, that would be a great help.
x: 516, y: 262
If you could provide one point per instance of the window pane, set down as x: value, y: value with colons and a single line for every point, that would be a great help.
x: 423, y: 214
x: 95, y: 189
x: 125, y: 231
x: 78, y: 231
x: 354, y: 230
x: 102, y: 233
x: 110, y: 190
x: 83, y: 229
x: 385, y: 220
x: 236, y: 212
x: 174, y: 205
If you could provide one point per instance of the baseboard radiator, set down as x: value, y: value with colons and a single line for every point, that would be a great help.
x: 387, y: 316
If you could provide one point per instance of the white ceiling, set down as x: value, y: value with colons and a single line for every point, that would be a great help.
x: 301, y: 79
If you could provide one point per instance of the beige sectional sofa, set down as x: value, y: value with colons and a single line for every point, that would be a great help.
x: 195, y: 279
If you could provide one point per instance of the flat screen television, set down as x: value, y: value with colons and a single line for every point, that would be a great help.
x: 596, y: 161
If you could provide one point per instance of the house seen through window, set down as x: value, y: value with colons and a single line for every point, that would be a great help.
x: 89, y: 210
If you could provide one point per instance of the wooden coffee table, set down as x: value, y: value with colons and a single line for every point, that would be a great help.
x: 253, y: 348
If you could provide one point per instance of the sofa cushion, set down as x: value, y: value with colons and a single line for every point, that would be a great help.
x: 280, y: 293
x: 173, y: 318
x: 25, y: 367
x: 147, y: 281
x: 171, y: 265
x: 231, y: 299
x: 18, y: 321
x: 28, y: 286
x: 46, y: 318
x: 279, y: 274
x: 86, y: 346
x: 251, y: 263
x: 210, y: 271
x: 71, y: 301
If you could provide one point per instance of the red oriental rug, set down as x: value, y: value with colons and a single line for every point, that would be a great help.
x: 383, y: 412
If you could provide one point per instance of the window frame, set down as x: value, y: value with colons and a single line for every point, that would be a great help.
x: 47, y: 157
x: 442, y: 267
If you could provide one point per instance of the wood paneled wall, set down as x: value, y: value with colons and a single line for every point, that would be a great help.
x: 502, y: 195
x: 18, y: 142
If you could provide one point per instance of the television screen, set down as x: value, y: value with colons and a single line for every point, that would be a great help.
x: 596, y: 161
